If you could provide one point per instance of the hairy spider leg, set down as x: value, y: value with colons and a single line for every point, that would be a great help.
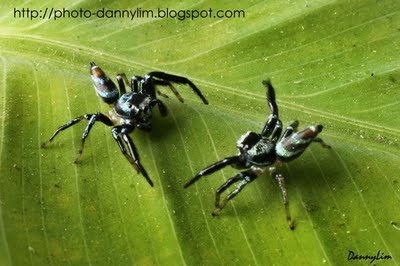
x: 271, y: 97
x: 133, y: 156
x: 290, y: 129
x: 172, y: 88
x: 161, y: 106
x: 92, y: 118
x: 61, y: 128
x: 122, y: 80
x: 245, y: 177
x: 135, y: 83
x: 147, y: 83
x: 320, y: 141
x: 281, y: 181
x: 270, y: 125
x: 273, y: 123
x: 277, y: 131
x: 115, y: 133
x: 135, y: 88
x: 213, y: 168
x: 162, y: 83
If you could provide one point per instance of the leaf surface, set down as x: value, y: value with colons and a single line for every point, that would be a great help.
x: 334, y: 63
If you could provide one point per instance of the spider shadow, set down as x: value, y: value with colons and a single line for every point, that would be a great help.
x: 167, y: 125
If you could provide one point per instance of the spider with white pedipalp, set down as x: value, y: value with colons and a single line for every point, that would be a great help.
x: 130, y: 109
x: 260, y: 151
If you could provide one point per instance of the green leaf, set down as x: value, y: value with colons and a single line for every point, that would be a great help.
x: 334, y: 63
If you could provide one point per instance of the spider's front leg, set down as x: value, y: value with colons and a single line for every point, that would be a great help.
x: 148, y: 84
x: 273, y: 125
x: 134, y: 85
x: 244, y: 177
x: 135, y: 80
x: 159, y: 82
x: 133, y: 155
x: 281, y: 181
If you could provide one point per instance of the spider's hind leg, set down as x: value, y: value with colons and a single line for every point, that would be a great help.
x: 245, y: 177
x: 323, y: 144
x: 281, y: 181
x: 92, y: 118
x: 63, y: 127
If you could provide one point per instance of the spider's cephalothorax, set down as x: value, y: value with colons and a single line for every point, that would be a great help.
x: 259, y: 151
x: 130, y: 109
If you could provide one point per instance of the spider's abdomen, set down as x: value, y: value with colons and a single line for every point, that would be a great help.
x: 256, y: 150
x: 294, y: 145
x: 104, y: 86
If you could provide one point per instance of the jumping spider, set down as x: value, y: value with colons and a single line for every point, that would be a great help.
x: 130, y: 110
x: 259, y: 151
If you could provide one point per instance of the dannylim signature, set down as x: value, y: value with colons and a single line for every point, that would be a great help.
x: 379, y: 256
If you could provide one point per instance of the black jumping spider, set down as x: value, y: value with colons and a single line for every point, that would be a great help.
x: 258, y: 151
x: 130, y: 110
